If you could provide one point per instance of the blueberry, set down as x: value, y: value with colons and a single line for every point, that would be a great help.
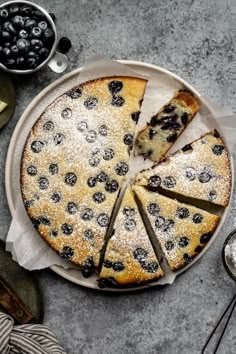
x: 4, y: 14
x: 198, y: 249
x: 184, y: 118
x: 102, y: 177
x: 154, y: 181
x: 12, y: 30
x: 30, y: 24
x: 5, y: 25
x: 204, y: 177
x: 205, y: 237
x: 99, y: 197
x: 53, y: 17
x: 91, y: 182
x: 23, y: 45
x: 72, y: 208
x: 187, y: 258
x: 169, y: 182
x: 103, y: 219
x: 130, y: 224
x: 108, y: 154
x: 103, y: 283
x: 28, y: 203
x: 190, y: 173
x: 32, y: 170
x: 7, y: 53
x: 64, y: 45
x: 5, y: 35
x: 91, y: 136
x: 32, y: 54
x: 172, y: 138
x: 10, y: 63
x: 90, y: 103
x: 128, y: 212
x: 135, y: 116
x: 66, y: 229
x: 218, y: 149
x: 88, y: 235
x: 88, y: 267
x: 25, y: 10
x: 18, y: 22
x: 183, y: 242
x: 37, y: 146
x: 59, y: 139
x: 170, y: 125
x: 75, y: 93
x: 43, y: 52
x: 170, y: 108
x: 44, y: 220
x: 187, y: 147
x: 115, y: 86
x: 70, y: 179
x: 36, y: 44
x: 14, y: 50
x: 87, y: 214
x: 48, y: 126
x: 36, y: 32
x: 150, y: 267
x: 153, y: 209
x: 94, y: 161
x: 118, y: 266
x: 32, y: 63
x: 43, y: 183
x: 67, y: 252
x: 35, y: 223
x: 82, y: 126
x: 56, y: 197
x: 36, y: 14
x: 182, y: 213
x: 121, y: 168
x: 20, y: 62
x: 49, y: 35
x: 159, y: 222
x: 216, y: 134
x: 107, y: 263
x: 168, y: 224
x: 14, y: 9
x: 155, y: 121
x: 103, y: 130
x: 140, y: 254
x: 111, y: 186
x: 53, y: 168
x: 43, y: 25
x: 117, y: 101
x: 212, y: 195
x: 66, y: 113
x: 169, y: 245
x: 128, y: 139
x: 197, y: 218
x: 23, y: 34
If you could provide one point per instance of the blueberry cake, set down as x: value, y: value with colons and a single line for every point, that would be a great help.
x: 74, y: 162
x: 129, y: 257
x: 181, y: 229
x: 165, y: 127
x: 200, y: 170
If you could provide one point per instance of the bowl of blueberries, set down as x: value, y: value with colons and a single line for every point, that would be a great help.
x: 28, y: 38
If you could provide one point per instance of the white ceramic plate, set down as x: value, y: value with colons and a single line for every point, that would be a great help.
x: 12, y: 177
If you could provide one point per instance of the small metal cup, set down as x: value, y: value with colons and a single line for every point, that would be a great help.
x: 56, y: 61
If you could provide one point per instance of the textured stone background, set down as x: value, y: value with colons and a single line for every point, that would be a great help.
x: 196, y: 40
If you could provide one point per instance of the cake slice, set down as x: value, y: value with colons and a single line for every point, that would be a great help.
x: 181, y: 229
x: 129, y: 257
x: 74, y: 162
x: 200, y: 170
x: 165, y: 127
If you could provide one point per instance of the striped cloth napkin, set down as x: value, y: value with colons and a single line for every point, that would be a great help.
x: 26, y: 339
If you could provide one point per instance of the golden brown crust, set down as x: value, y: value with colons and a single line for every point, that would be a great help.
x: 186, y: 98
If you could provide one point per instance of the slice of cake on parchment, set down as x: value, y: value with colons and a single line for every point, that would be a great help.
x: 166, y: 126
x: 74, y: 162
x: 129, y: 257
x: 181, y: 229
x: 200, y: 170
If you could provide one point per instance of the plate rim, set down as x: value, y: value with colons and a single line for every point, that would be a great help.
x: 64, y: 272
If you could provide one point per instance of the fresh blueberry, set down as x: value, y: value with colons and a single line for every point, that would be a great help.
x: 48, y: 35
x: 64, y: 45
x: 117, y: 101
x: 43, y: 53
x: 14, y: 9
x: 67, y: 252
x: 23, y: 34
x: 67, y: 229
x: 36, y: 14
x: 30, y: 24
x: 99, y: 197
x: 32, y: 170
x: 20, y: 62
x: 53, y: 17
x: 36, y: 32
x: 87, y: 214
x: 118, y: 266
x: 43, y: 25
x: 53, y: 168
x: 43, y: 183
x: 25, y: 10
x: 48, y: 126
x: 14, y: 50
x: 32, y: 63
x: 121, y: 168
x: 153, y: 208
x: 23, y: 45
x: 4, y: 14
x: 216, y: 134
x: 72, y: 208
x: 10, y: 63
x: 154, y: 181
x: 32, y: 54
x: 103, y: 220
x: 108, y: 154
x: 36, y: 44
x: 88, y: 267
x: 37, y: 146
x: 6, y: 37
x: 7, y: 53
x: 70, y: 179
x: 182, y: 213
x: 115, y: 86
x: 111, y: 186
x: 197, y: 218
x: 18, y: 22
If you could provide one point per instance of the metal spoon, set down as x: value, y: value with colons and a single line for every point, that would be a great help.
x: 231, y: 270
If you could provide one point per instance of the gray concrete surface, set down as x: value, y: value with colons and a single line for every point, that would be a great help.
x: 196, y: 40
